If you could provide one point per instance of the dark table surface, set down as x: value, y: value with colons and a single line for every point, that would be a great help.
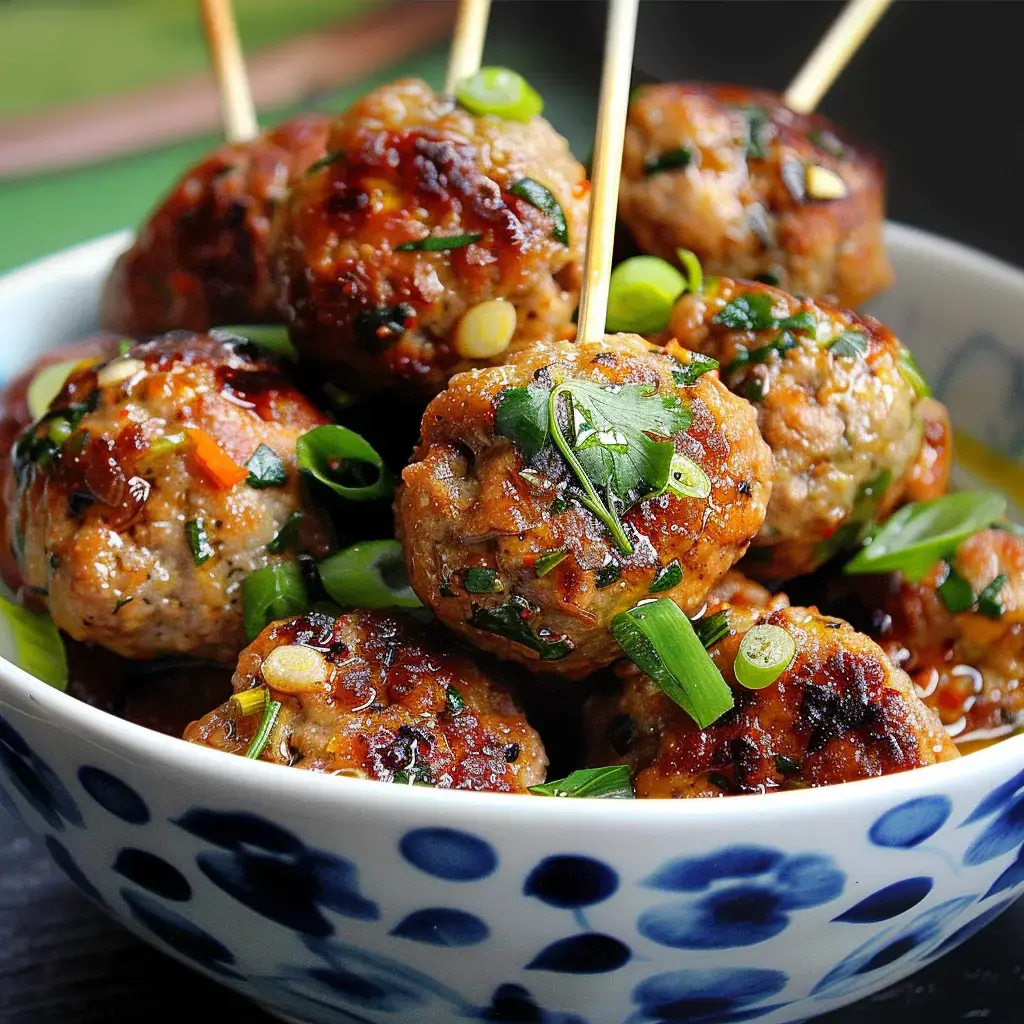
x: 931, y: 91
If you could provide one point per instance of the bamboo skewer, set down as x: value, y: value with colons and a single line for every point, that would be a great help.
x: 607, y: 166
x: 237, y: 109
x: 833, y: 53
x: 467, y: 43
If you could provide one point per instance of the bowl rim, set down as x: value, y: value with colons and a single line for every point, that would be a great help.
x: 192, y: 765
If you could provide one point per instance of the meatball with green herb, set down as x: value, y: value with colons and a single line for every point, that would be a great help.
x: 429, y: 240
x: 374, y: 695
x: 840, y: 402
x: 831, y: 709
x: 754, y: 190
x: 153, y: 486
x: 548, y: 495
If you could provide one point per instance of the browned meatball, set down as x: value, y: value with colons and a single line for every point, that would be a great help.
x: 840, y: 712
x: 836, y: 403
x: 130, y: 509
x: 754, y: 189
x: 373, y: 695
x: 202, y: 257
x: 410, y: 165
x: 967, y: 664
x: 499, y: 541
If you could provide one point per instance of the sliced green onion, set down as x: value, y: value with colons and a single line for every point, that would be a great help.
x: 671, y: 160
x: 694, y: 271
x: 956, y: 593
x: 342, y: 460
x: 919, y: 535
x: 912, y: 373
x: 611, y: 783
x: 668, y: 576
x: 686, y: 479
x: 264, y: 729
x: 641, y: 293
x: 169, y: 444
x: 660, y: 639
x: 272, y: 593
x: 60, y: 430
x: 33, y: 643
x: 764, y: 654
x: 288, y: 536
x: 481, y: 581
x: 199, y: 541
x: 124, y: 346
x: 607, y: 575
x: 273, y: 337
x: 46, y: 386
x: 786, y: 765
x: 500, y: 92
x: 439, y: 243
x: 546, y: 562
x: 695, y: 369
x: 712, y: 628
x: 989, y: 603
x: 542, y: 197
x: 370, y: 574
x: 248, y: 702
x: 454, y: 702
x: 266, y: 469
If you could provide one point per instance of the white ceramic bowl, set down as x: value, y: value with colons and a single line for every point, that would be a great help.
x: 349, y: 901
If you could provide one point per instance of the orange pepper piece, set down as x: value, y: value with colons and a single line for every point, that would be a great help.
x: 218, y: 467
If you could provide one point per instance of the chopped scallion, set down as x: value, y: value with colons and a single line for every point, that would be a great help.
x: 611, y: 783
x: 671, y: 160
x: 264, y: 729
x: 199, y: 541
x: 989, y: 602
x: 641, y: 293
x: 764, y: 654
x: 46, y: 385
x: 501, y: 93
x: 33, y: 643
x: 481, y: 581
x: 668, y: 576
x: 546, y: 562
x: 288, y: 536
x: 956, y: 593
x: 439, y: 243
x: 370, y: 574
x: 274, y: 592
x: 543, y: 199
x: 912, y: 373
x: 248, y: 702
x: 345, y: 462
x: 712, y: 628
x: 273, y: 337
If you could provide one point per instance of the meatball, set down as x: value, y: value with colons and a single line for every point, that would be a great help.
x: 202, y: 258
x: 501, y: 539
x: 131, y: 512
x: 840, y: 712
x: 373, y: 695
x: 839, y: 403
x: 754, y: 190
x: 371, y: 298
x: 959, y: 633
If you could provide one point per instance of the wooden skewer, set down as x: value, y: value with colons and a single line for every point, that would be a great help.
x: 607, y: 166
x: 467, y: 43
x: 833, y: 53
x: 237, y: 110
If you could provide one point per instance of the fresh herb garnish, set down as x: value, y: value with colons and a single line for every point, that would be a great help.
x: 121, y: 602
x: 765, y: 652
x: 262, y: 735
x: 414, y: 775
x: 371, y: 574
x: 611, y: 783
x: 912, y: 373
x: 481, y: 581
x: 343, y: 461
x: 378, y: 328
x: 850, y: 344
x: 546, y: 562
x: 288, y: 536
x: 607, y: 575
x: 439, y: 243
x: 755, y: 389
x: 956, y: 592
x: 511, y: 620
x: 825, y: 140
x: 989, y: 603
x: 786, y: 765
x: 711, y: 628
x: 543, y: 199
x: 698, y: 365
x: 266, y: 469
x: 454, y: 703
x: 671, y: 160
x: 668, y: 576
x: 759, y: 131
x: 522, y: 417
x: 660, y: 639
x: 862, y: 515
x: 273, y: 592
x: 199, y: 541
x: 324, y: 161
x: 749, y: 311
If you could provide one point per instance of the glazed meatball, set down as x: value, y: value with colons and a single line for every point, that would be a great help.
x: 839, y: 403
x: 408, y: 167
x: 131, y: 511
x: 754, y: 190
x: 500, y: 536
x: 839, y: 712
x: 959, y: 633
x: 374, y: 696
x: 202, y: 259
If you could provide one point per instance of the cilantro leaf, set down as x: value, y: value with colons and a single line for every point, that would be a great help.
x: 751, y: 311
x: 698, y: 365
x: 511, y: 620
x: 850, y: 344
x: 522, y: 417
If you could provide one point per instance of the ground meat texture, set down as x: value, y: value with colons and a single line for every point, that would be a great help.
x: 969, y: 664
x: 840, y: 712
x: 470, y: 501
x: 410, y: 164
x: 736, y: 177
x: 843, y: 420
x: 395, y: 704
x: 129, y: 509
x: 202, y: 258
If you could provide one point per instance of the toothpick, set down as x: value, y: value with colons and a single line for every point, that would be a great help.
x: 833, y: 53
x: 607, y: 167
x: 237, y: 110
x: 467, y: 43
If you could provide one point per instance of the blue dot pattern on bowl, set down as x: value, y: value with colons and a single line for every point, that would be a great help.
x: 889, y: 902
x: 67, y: 864
x: 449, y: 854
x: 587, y: 953
x: 31, y: 777
x: 113, y: 795
x: 153, y: 873
x: 720, y: 996
x: 571, y: 882
x: 442, y: 926
x: 747, y: 895
x: 911, y: 823
x: 1005, y: 832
